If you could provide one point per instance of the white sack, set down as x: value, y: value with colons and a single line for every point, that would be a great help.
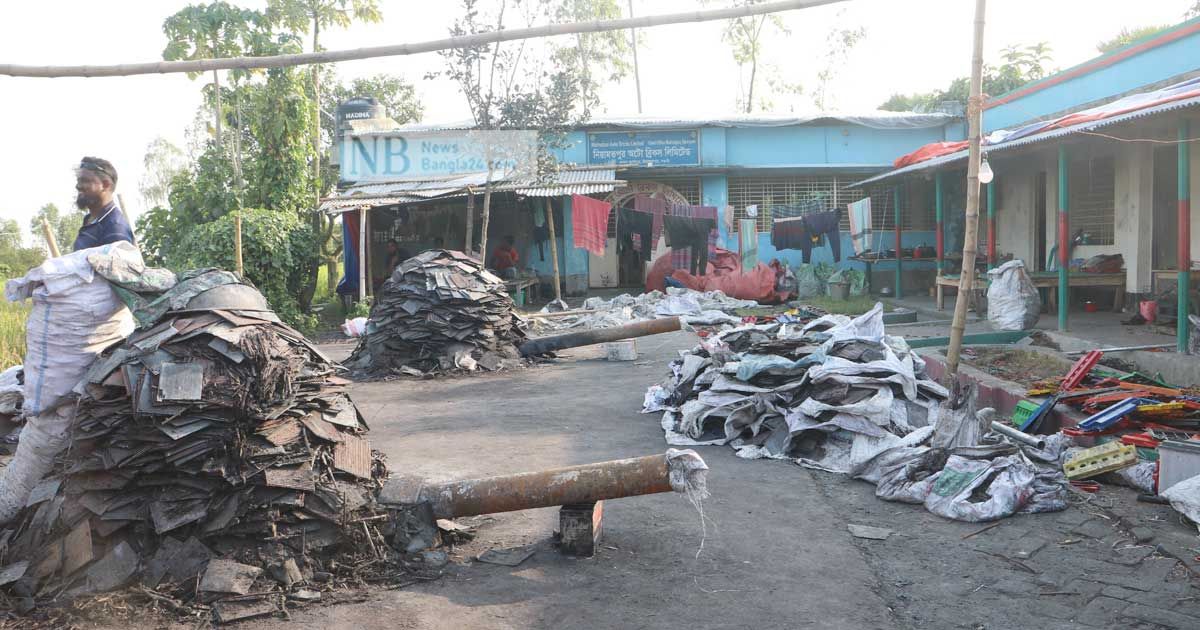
x: 1013, y: 301
x: 42, y: 438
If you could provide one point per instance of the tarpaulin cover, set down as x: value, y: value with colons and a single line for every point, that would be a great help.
x: 724, y: 274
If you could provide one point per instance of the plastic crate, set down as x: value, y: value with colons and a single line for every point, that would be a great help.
x: 1100, y: 459
x: 1023, y: 413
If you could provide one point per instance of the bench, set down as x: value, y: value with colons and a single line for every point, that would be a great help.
x: 1047, y: 280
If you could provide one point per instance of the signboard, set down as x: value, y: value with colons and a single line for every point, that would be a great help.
x: 437, y: 155
x: 644, y: 148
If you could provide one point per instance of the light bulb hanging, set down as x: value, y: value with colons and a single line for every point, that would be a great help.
x: 985, y: 172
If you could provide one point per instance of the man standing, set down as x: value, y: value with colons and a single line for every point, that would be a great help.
x: 95, y: 181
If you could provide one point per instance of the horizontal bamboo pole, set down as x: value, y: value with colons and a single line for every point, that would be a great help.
x: 462, y: 41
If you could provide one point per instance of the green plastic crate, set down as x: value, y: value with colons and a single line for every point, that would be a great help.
x: 1024, y: 413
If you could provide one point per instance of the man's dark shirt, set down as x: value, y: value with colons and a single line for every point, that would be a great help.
x: 111, y: 227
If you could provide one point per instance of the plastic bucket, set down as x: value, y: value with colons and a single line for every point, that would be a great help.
x: 1148, y: 309
x: 839, y: 290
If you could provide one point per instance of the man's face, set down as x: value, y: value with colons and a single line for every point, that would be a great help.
x: 89, y: 189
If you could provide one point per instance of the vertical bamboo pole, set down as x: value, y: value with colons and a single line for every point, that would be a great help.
x: 899, y: 256
x: 991, y: 225
x: 637, y: 77
x: 966, y: 281
x: 1064, y: 238
x: 237, y: 243
x: 940, y: 234
x: 51, y: 242
x: 553, y: 250
x: 470, y: 220
x: 1185, y: 237
x: 362, y: 253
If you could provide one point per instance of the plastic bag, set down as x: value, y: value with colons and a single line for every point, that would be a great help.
x: 1013, y: 301
x: 808, y: 285
x: 354, y: 327
x: 42, y: 438
x: 1185, y: 498
x: 858, y: 282
x: 976, y: 490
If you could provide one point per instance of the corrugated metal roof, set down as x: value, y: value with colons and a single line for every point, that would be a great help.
x: 567, y: 182
x: 872, y: 119
x: 1037, y: 138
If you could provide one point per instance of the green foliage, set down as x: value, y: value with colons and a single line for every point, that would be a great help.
x: 299, y: 16
x: 361, y: 308
x: 274, y: 247
x: 838, y: 44
x: 593, y: 53
x: 15, y: 258
x: 1128, y: 36
x: 206, y: 31
x: 745, y: 37
x: 163, y: 162
x: 1022, y: 64
x: 396, y: 94
x: 280, y: 130
x: 65, y: 227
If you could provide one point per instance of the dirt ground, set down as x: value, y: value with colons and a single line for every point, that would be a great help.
x: 774, y: 551
x: 1018, y: 365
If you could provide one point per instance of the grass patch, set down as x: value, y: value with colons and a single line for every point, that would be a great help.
x: 852, y: 306
x: 12, y: 332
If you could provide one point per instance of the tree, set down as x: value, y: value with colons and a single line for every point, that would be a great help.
x: 397, y: 95
x: 208, y: 31
x: 513, y: 88
x: 838, y: 44
x: 163, y: 162
x: 15, y: 258
x: 593, y: 52
x: 745, y: 36
x: 309, y: 17
x: 1128, y: 36
x: 65, y: 227
x: 1022, y: 64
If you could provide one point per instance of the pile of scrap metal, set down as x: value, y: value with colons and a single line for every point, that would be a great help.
x: 207, y: 446
x: 708, y: 308
x: 1140, y: 430
x: 838, y: 394
x: 440, y: 311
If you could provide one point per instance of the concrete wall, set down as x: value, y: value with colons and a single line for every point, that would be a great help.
x: 1167, y: 56
x: 1016, y: 198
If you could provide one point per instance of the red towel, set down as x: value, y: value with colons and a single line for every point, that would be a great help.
x: 589, y: 220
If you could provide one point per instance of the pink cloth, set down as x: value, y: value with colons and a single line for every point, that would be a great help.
x: 589, y: 220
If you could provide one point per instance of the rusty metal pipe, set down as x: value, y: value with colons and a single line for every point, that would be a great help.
x: 560, y: 486
x: 543, y: 345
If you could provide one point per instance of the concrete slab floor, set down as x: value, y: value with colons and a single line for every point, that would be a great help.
x: 774, y: 552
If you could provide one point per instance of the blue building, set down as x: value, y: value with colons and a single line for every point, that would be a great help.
x: 742, y: 166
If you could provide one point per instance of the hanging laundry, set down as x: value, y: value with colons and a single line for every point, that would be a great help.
x: 806, y: 207
x: 792, y: 234
x: 692, y: 234
x: 630, y: 224
x: 541, y: 231
x: 826, y: 224
x: 589, y: 220
x: 860, y: 224
x: 682, y: 258
x: 656, y: 208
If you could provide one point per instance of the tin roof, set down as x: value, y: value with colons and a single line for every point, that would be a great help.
x: 566, y: 182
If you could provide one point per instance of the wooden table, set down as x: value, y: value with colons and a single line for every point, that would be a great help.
x: 1047, y: 280
x: 512, y: 286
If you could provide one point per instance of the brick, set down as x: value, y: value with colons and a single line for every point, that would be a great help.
x: 1055, y: 610
x: 1086, y: 588
x: 1167, y: 618
x: 1025, y: 548
x: 1142, y: 534
x: 1157, y: 569
x: 1101, y: 612
x: 1095, y: 528
x: 1154, y: 599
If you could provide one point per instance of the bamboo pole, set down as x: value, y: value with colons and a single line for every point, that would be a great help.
x: 362, y: 253
x: 553, y: 250
x: 237, y: 244
x: 51, y: 243
x: 396, y: 50
x: 966, y: 281
x: 637, y: 77
x: 1184, y: 279
x: 469, y: 246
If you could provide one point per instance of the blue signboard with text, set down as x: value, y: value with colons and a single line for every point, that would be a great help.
x: 644, y: 148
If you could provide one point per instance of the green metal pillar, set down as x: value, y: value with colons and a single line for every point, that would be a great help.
x: 1064, y: 241
x: 991, y: 225
x: 940, y: 233
x: 899, y: 256
x: 1185, y: 237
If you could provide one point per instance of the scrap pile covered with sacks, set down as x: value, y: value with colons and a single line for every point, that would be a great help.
x: 695, y: 308
x: 440, y: 311
x: 840, y: 395
x: 211, y: 444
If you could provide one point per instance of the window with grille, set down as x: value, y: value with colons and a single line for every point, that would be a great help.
x: 1092, y: 199
x: 765, y: 192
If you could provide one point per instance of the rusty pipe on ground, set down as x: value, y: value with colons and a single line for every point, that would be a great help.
x: 676, y: 470
x: 1020, y: 436
x: 543, y: 345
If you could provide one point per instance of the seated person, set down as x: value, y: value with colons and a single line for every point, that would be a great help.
x: 505, y: 257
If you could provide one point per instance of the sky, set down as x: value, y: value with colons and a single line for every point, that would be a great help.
x: 46, y: 125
